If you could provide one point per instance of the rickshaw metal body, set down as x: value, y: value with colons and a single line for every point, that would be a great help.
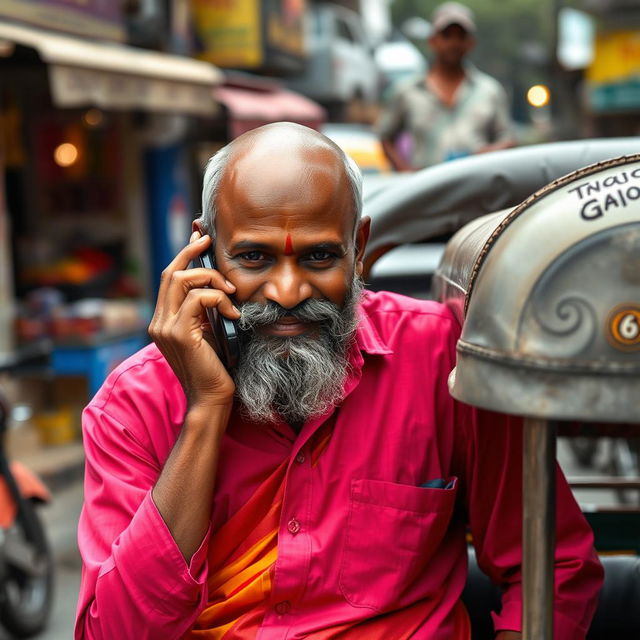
x: 549, y: 298
x: 542, y: 292
x: 545, y: 291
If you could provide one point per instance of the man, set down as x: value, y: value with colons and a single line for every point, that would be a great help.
x: 323, y: 488
x: 455, y: 110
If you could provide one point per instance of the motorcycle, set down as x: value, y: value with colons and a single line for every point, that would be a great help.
x: 26, y: 560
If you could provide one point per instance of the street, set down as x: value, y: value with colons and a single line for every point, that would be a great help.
x: 61, y: 519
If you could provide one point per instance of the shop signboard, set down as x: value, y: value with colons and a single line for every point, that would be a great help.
x: 229, y: 32
x: 284, y: 27
x: 251, y: 34
x: 614, y: 74
x: 101, y: 19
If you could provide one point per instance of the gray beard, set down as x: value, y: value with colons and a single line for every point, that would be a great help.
x: 295, y: 377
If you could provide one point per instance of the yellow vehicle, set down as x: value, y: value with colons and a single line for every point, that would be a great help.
x: 361, y: 144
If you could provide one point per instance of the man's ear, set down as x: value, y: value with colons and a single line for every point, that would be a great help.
x: 362, y: 236
x: 196, y: 225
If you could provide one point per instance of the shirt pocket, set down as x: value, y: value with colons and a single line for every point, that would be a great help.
x: 392, y: 531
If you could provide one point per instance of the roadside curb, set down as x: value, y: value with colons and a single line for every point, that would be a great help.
x: 61, y: 477
x: 58, y: 466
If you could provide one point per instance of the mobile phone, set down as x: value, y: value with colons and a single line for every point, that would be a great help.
x: 225, y: 331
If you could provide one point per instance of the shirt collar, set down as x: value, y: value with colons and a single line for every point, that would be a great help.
x: 367, y: 337
x: 471, y: 71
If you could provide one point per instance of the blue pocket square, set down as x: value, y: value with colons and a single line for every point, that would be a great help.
x: 437, y: 483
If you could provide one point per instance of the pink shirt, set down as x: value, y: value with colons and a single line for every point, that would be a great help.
x: 359, y: 535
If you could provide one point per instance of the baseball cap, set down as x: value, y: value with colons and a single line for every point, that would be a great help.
x: 452, y: 13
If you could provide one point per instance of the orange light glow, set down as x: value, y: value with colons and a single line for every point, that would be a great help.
x: 538, y: 95
x: 93, y: 117
x: 65, y: 154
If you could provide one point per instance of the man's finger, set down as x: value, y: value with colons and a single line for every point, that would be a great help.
x: 184, y: 258
x: 182, y: 282
x: 198, y: 300
x: 181, y: 261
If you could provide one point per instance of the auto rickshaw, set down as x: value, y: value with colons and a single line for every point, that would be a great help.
x: 548, y: 295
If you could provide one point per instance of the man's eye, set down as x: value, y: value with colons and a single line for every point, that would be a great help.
x: 321, y: 256
x: 252, y: 256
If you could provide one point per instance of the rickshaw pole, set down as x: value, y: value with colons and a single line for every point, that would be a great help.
x: 539, y: 507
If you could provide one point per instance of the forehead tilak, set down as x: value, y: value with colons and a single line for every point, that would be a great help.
x: 288, y: 245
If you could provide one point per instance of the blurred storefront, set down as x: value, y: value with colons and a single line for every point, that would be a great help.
x: 102, y: 19
x: 97, y: 140
x: 102, y: 146
x: 265, y: 36
x: 251, y: 101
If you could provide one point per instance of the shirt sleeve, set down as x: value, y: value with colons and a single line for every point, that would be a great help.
x: 493, y: 492
x: 135, y: 582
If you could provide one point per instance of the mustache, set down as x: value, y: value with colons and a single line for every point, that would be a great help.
x: 256, y: 314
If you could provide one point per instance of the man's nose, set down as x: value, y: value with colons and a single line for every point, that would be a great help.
x: 288, y: 287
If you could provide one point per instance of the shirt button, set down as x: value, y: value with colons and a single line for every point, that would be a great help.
x: 300, y: 458
x: 293, y: 526
x: 282, y: 608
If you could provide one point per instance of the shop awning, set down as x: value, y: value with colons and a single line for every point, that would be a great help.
x: 251, y: 107
x: 115, y: 76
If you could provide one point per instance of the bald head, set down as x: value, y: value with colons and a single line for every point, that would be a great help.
x: 275, y: 160
x: 282, y: 138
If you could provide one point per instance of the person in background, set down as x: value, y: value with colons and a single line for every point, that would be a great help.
x: 321, y: 489
x: 455, y: 110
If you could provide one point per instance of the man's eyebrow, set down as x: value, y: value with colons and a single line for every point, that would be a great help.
x: 337, y: 247
x: 245, y: 245
x: 250, y: 244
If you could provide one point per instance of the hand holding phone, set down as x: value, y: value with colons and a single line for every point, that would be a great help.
x: 176, y: 326
x: 225, y: 331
